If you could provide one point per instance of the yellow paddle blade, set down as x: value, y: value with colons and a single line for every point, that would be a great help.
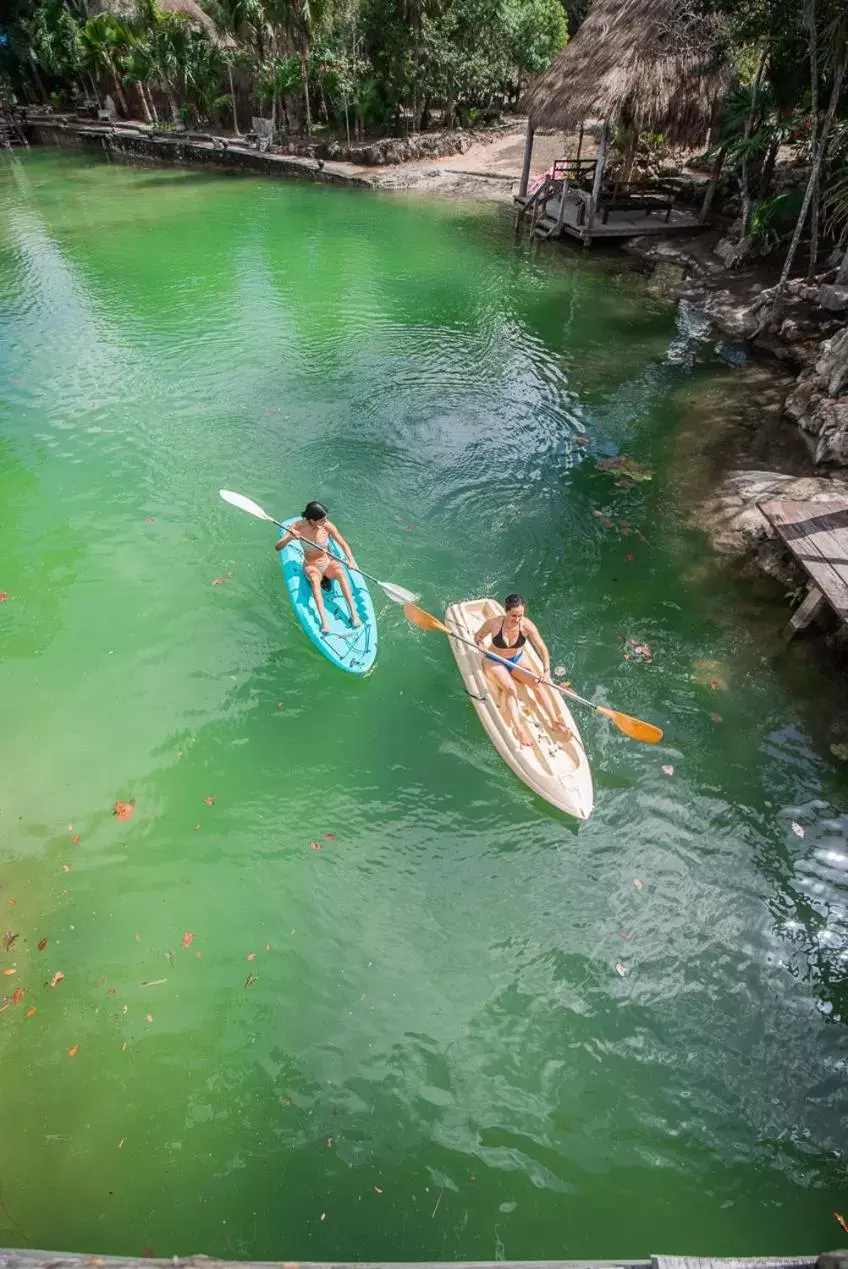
x: 632, y: 726
x: 423, y: 620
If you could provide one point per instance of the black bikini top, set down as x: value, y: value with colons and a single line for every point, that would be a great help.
x: 499, y: 641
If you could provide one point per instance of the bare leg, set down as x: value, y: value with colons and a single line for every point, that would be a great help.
x: 340, y: 575
x: 549, y: 712
x: 502, y: 682
x: 314, y: 578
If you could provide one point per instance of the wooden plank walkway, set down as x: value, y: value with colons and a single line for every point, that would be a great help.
x: 11, y: 1258
x: 816, y: 533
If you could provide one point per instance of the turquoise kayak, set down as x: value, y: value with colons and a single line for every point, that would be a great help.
x: 349, y: 647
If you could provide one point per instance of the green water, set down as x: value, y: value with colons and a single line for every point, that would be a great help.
x: 438, y: 1057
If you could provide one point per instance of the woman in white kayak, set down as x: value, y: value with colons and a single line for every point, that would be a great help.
x: 315, y: 530
x: 508, y: 635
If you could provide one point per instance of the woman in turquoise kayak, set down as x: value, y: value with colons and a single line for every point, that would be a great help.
x: 315, y: 530
x: 508, y: 635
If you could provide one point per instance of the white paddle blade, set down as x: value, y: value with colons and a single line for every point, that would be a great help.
x: 245, y: 504
x: 398, y: 593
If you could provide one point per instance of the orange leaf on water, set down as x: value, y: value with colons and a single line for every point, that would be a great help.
x: 42, y: 943
x: 18, y: 996
x: 841, y: 1219
x: 4, y: 595
x: 9, y: 940
x: 8, y: 971
x: 210, y: 801
x: 11, y: 902
x: 73, y: 1050
x: 314, y: 845
x: 150, y: 520
x: 123, y: 810
x: 57, y: 978
x: 75, y: 839
x: 329, y: 837
x: 187, y: 939
x: 31, y: 1011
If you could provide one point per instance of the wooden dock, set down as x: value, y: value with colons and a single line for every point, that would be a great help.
x: 816, y: 533
x: 570, y: 220
x: 25, y: 1259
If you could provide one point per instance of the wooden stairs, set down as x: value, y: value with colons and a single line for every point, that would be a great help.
x: 11, y: 132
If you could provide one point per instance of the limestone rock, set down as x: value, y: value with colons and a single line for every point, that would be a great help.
x: 734, y: 522
x: 831, y: 420
x: 834, y: 298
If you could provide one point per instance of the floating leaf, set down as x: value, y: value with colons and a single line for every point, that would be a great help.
x: 314, y: 845
x: 42, y: 943
x: 837, y: 1216
x: 250, y: 980
x: 4, y: 595
x: 123, y: 1046
x: 32, y: 1009
x: 797, y: 829
x: 628, y: 467
x: 210, y: 801
x: 187, y: 939
x: 582, y: 439
x: 150, y: 1017
x: 840, y: 751
x: 251, y: 956
x: 57, y: 978
x: 150, y: 520
x: 9, y: 940
x: 668, y: 770
x: 716, y: 718
x: 621, y: 969
x: 8, y: 971
x: 559, y: 671
x: 267, y: 947
x: 75, y: 840
x: 329, y: 837
x: 715, y: 685
x: 73, y: 1050
x: 197, y: 828
x: 18, y: 996
x: 12, y: 902
x: 638, y: 885
x: 219, y: 581
x: 123, y: 810
x: 281, y: 705
x: 153, y: 982
x: 629, y: 557
x: 328, y: 1143
x: 624, y: 934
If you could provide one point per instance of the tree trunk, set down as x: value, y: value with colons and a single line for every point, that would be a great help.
x: 814, y: 112
x: 93, y: 82
x: 767, y: 173
x: 347, y: 123
x: 233, y: 101
x: 145, y: 109
x: 706, y: 207
x: 122, y: 101
x: 304, y: 75
x: 815, y: 174
x: 172, y: 102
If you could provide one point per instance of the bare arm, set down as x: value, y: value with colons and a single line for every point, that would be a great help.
x: 348, y: 553
x: 288, y: 536
x: 540, y: 646
x: 485, y: 630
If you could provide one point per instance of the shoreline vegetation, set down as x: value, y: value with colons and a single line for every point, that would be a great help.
x: 740, y: 105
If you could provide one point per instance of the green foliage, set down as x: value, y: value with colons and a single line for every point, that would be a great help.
x: 772, y: 218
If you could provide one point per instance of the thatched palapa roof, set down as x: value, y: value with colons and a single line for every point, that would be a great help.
x: 648, y: 63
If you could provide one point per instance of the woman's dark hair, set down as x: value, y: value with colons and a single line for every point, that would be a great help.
x: 515, y: 601
x: 314, y: 511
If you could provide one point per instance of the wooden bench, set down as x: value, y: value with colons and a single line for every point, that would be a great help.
x: 816, y: 534
x: 647, y: 202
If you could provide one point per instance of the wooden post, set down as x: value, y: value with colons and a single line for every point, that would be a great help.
x: 806, y: 612
x: 579, y: 147
x: 528, y: 154
x: 599, y: 175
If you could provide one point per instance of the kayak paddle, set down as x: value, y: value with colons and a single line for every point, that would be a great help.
x: 630, y: 726
x: 398, y: 593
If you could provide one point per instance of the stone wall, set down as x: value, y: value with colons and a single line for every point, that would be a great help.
x: 180, y: 151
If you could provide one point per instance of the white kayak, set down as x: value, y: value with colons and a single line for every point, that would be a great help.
x: 556, y: 769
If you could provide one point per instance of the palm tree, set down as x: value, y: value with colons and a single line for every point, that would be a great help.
x: 105, y: 41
